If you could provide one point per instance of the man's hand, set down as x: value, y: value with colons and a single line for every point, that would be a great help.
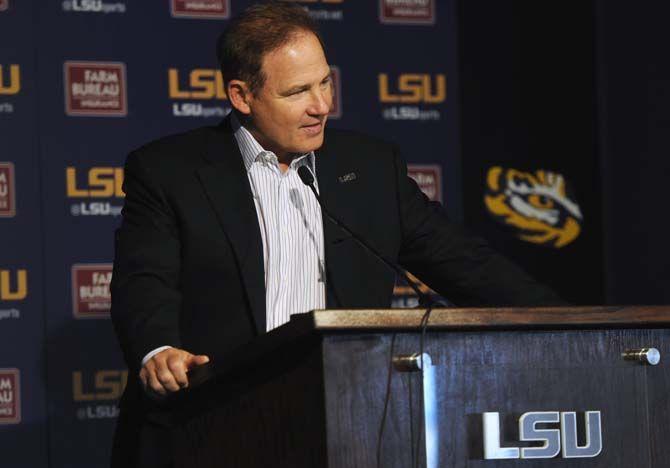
x: 165, y: 372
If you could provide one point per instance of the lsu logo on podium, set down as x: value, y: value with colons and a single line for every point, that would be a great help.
x: 10, y: 396
x: 13, y: 284
x: 429, y: 179
x: 10, y: 80
x: 4, y: 5
x: 563, y: 441
x: 407, y: 11
x: 7, y: 190
x: 204, y: 9
x: 537, y: 206
x: 95, y: 89
x: 91, y: 297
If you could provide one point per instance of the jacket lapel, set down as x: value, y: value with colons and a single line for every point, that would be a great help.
x: 330, y: 166
x: 226, y: 184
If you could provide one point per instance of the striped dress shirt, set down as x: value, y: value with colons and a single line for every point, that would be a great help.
x: 291, y: 229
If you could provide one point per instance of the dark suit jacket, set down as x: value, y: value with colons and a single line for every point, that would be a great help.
x: 188, y: 270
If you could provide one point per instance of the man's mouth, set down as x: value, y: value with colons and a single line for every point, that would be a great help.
x: 313, y: 129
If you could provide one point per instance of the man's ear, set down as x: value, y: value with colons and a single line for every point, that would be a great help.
x: 239, y: 96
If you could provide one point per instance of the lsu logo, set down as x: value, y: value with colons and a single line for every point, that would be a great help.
x: 322, y: 9
x: 95, y: 89
x: 407, y: 11
x: 537, y: 205
x: 207, y: 9
x: 13, y: 285
x: 101, y: 182
x: 4, y: 5
x: 102, y: 385
x: 413, y: 88
x: 429, y: 179
x: 91, y: 297
x: 7, y: 191
x: 202, y: 84
x: 95, y: 191
x: 10, y: 396
x: 10, y: 79
x: 336, y: 107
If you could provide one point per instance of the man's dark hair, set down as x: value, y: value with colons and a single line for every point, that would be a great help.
x: 258, y: 30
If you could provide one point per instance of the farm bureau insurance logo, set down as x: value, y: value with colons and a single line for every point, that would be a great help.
x: 91, y: 297
x: 89, y: 389
x: 95, y: 89
x: 96, y: 189
x: 407, y: 11
x: 10, y: 396
x: 4, y: 5
x: 322, y: 10
x: 412, y: 96
x: 7, y: 190
x: 537, y: 205
x: 429, y: 179
x: 188, y: 90
x: 93, y: 6
x: 10, y: 85
x: 204, y: 9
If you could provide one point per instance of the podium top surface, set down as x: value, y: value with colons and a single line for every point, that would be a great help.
x: 324, y: 322
x: 487, y: 318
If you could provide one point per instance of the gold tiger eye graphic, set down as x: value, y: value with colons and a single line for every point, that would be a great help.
x: 536, y: 205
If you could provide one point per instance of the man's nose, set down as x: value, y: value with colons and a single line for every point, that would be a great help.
x: 321, y: 102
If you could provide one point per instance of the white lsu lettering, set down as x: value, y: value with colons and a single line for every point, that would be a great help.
x: 554, y: 441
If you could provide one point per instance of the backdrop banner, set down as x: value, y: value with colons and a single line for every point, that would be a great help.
x: 82, y: 84
x: 23, y: 431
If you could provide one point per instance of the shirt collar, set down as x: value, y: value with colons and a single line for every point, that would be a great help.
x: 251, y: 149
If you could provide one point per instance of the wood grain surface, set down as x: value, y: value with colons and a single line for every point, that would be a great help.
x: 492, y: 318
x: 311, y: 393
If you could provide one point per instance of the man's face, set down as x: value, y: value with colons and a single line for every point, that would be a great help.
x: 289, y: 112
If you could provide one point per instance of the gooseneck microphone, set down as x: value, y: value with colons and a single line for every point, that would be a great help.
x: 425, y: 301
x: 308, y: 179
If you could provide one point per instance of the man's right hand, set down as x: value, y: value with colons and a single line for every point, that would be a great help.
x: 166, y: 371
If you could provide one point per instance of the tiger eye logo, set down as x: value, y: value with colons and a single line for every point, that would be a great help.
x: 537, y: 205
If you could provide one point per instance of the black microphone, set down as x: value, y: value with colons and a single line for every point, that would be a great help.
x: 308, y: 179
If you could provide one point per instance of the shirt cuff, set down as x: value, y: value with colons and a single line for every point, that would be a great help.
x: 152, y: 353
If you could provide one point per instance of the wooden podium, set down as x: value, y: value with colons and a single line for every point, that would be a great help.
x: 312, y: 393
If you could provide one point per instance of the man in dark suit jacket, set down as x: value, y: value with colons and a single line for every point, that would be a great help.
x: 189, y: 278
